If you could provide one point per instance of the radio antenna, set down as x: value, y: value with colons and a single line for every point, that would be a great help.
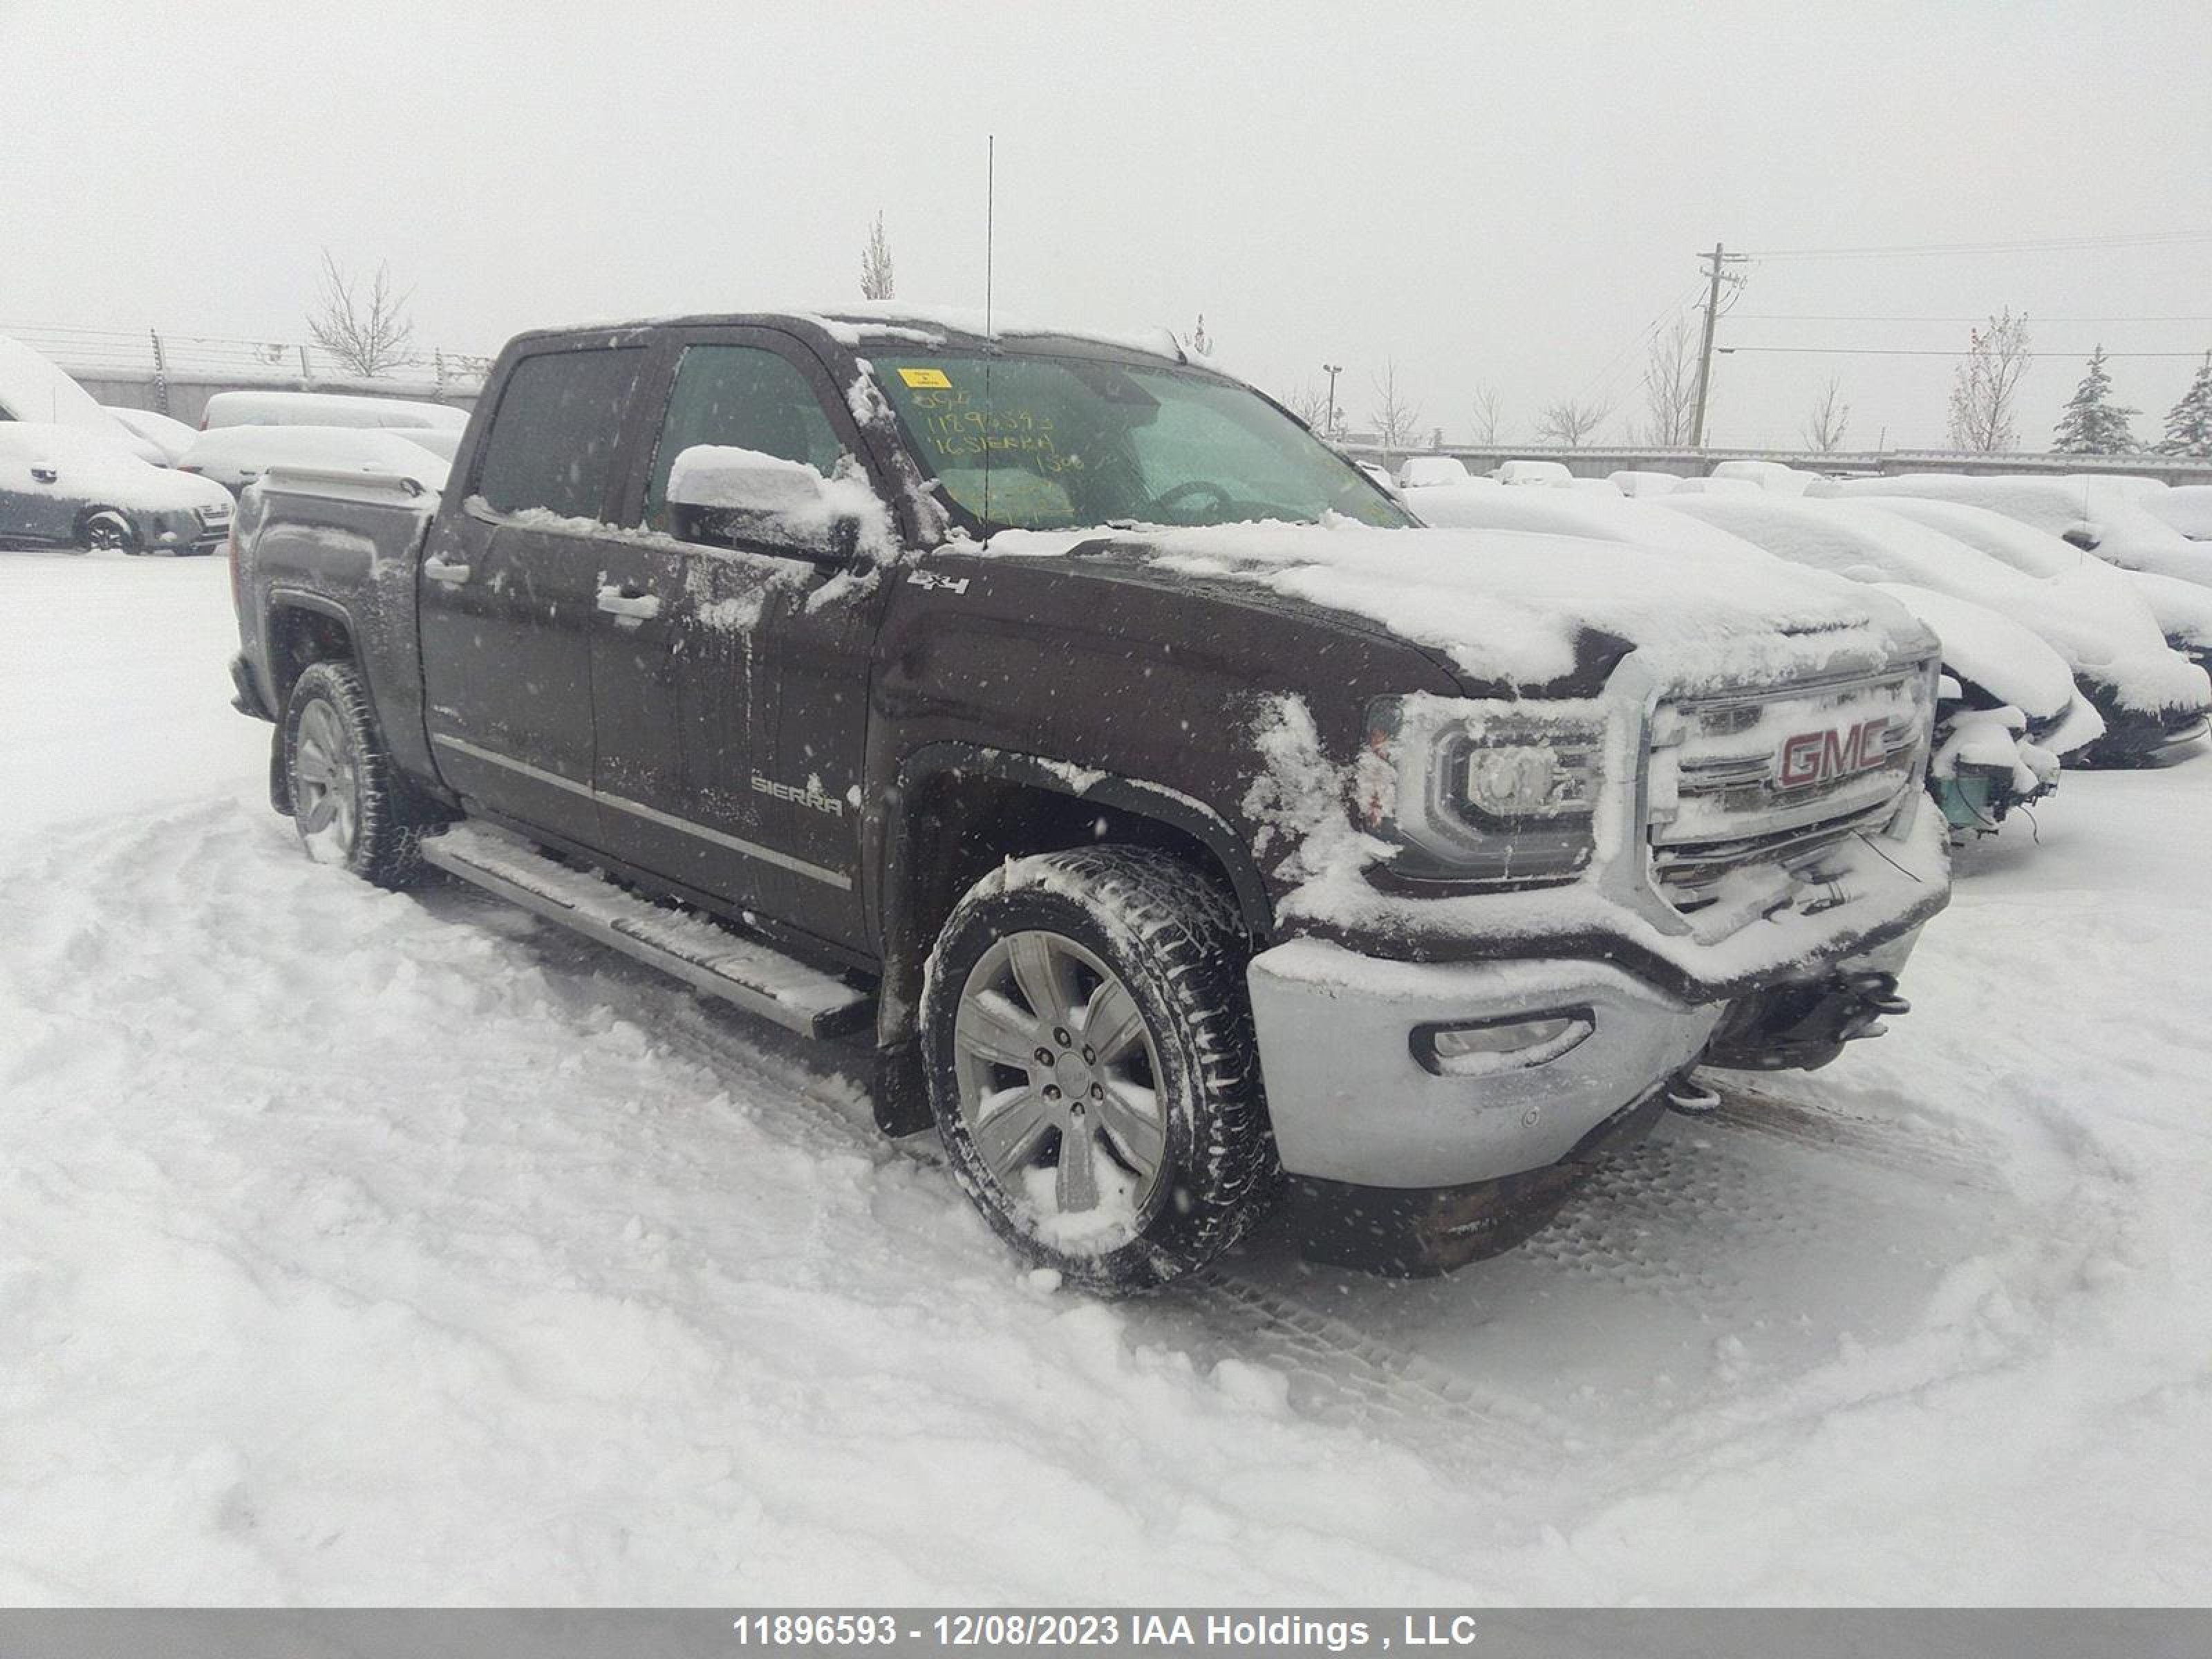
x: 990, y: 228
x: 990, y: 220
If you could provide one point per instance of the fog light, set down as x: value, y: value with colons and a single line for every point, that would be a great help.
x: 1481, y: 1047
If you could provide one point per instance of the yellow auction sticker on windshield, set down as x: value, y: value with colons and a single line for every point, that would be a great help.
x: 933, y: 378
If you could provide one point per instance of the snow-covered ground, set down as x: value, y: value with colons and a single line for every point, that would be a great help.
x: 356, y: 1247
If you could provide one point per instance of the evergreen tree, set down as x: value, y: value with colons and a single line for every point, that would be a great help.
x: 2189, y: 424
x: 2093, y: 424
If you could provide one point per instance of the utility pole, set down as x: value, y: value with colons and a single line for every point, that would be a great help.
x: 1716, y: 261
x: 1328, y: 424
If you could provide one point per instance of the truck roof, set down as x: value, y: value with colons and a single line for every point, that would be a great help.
x: 856, y: 324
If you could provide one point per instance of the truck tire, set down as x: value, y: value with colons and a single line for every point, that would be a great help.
x: 1088, y: 1043
x: 349, y: 803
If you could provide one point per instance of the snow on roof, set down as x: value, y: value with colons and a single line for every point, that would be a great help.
x: 1532, y: 473
x: 1632, y: 482
x: 853, y: 324
x: 1424, y: 472
x: 2116, y: 512
x: 1776, y: 478
x: 326, y: 409
x: 239, y: 453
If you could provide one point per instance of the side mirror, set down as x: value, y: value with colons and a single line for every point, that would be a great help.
x: 2082, y: 537
x: 45, y: 472
x: 724, y: 497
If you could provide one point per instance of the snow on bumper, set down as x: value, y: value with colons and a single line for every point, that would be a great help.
x: 1348, y: 1051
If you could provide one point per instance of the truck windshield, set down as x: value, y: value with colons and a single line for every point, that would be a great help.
x: 1035, y: 442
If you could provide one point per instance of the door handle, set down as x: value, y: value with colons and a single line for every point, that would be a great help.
x: 438, y: 570
x: 630, y: 604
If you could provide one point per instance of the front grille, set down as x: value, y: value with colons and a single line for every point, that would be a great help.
x: 1778, y: 775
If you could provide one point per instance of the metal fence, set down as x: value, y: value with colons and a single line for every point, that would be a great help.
x: 158, y: 355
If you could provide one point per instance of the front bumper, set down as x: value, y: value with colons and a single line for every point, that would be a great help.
x: 1353, y: 1100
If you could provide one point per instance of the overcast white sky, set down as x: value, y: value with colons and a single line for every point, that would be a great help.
x: 1499, y: 194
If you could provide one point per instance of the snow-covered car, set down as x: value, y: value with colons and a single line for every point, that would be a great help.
x: 324, y: 409
x: 171, y: 436
x: 2179, y: 612
x: 2109, y: 517
x: 1425, y: 470
x: 1547, y: 474
x: 2025, y: 672
x: 36, y: 392
x: 1994, y: 658
x: 2151, y: 699
x: 1630, y: 480
x: 67, y: 486
x: 1773, y: 477
x: 2187, y: 507
x: 235, y: 456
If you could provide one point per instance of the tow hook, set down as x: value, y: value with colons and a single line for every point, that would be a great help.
x: 1877, y: 1001
x: 1685, y: 1095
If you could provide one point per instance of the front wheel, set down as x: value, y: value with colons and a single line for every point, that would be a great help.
x: 106, y: 531
x: 348, y: 801
x: 1092, y: 1068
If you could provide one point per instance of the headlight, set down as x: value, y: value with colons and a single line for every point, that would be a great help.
x: 1496, y: 792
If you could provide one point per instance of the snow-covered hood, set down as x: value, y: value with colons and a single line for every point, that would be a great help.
x: 1516, y: 608
x: 2009, y: 662
x: 2184, y: 610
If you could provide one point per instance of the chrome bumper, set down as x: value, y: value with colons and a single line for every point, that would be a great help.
x: 1353, y: 1099
x: 1358, y: 1095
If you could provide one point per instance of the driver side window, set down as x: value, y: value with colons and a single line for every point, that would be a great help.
x: 741, y: 397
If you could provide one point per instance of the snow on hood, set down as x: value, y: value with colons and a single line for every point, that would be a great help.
x: 2184, y: 610
x: 2113, y: 510
x: 2088, y: 615
x: 1510, y: 607
x: 88, y: 464
x: 2187, y: 507
x: 1993, y: 652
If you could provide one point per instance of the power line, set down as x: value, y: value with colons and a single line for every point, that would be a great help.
x: 1924, y: 351
x: 1818, y: 317
x: 2039, y: 244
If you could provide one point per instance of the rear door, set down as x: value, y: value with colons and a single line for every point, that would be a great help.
x: 692, y: 665
x: 508, y: 586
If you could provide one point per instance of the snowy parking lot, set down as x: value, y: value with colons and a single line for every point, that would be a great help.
x: 357, y: 1247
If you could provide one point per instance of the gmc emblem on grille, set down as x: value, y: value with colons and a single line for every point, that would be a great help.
x: 1817, y: 757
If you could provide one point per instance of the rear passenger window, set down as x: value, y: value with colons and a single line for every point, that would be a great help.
x: 743, y: 398
x: 552, y: 443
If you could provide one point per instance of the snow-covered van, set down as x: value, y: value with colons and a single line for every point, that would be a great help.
x: 324, y: 409
x: 1191, y: 834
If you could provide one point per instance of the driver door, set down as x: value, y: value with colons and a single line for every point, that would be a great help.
x: 691, y: 670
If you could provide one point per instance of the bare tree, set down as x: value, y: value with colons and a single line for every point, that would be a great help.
x: 1985, y: 385
x: 1571, y: 421
x: 1489, y: 414
x: 368, y: 333
x: 876, y: 281
x: 1397, y: 417
x: 1828, y: 419
x: 1310, y: 403
x: 1670, y: 388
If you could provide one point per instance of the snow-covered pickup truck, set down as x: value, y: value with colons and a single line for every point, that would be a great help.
x: 1185, y: 824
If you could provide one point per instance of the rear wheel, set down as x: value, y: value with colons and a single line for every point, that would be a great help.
x: 1092, y: 1069
x: 348, y: 801
x: 106, y: 531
